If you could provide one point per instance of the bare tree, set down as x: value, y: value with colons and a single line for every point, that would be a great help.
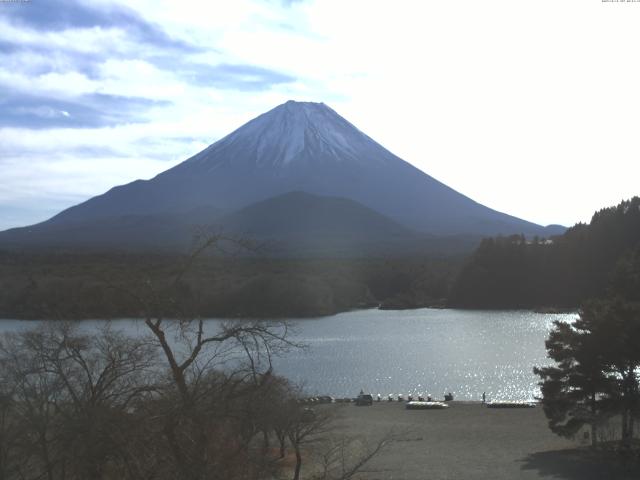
x: 191, y: 400
x: 307, y: 426
x: 334, y: 456
x: 8, y: 427
x: 71, y: 396
x: 344, y: 457
x: 199, y: 407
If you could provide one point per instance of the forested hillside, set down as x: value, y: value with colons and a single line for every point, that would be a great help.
x: 504, y: 272
x: 513, y: 272
x: 107, y: 285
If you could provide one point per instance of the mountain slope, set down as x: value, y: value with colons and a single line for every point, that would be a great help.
x: 294, y: 224
x: 303, y: 147
x: 299, y: 214
x: 296, y: 147
x: 301, y: 223
x: 158, y: 231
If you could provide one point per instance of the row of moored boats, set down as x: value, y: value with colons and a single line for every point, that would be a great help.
x: 419, y: 402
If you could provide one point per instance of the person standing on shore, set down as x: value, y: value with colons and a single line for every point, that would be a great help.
x: 484, y: 398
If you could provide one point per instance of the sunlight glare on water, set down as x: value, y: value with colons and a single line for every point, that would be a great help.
x: 428, y: 351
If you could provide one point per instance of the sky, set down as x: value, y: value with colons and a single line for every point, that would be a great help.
x: 531, y: 108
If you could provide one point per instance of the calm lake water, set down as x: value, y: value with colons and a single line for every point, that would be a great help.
x: 412, y: 351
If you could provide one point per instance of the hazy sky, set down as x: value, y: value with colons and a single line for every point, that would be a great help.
x: 529, y: 107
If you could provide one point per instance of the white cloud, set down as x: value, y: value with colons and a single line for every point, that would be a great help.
x: 527, y: 107
x: 85, y: 40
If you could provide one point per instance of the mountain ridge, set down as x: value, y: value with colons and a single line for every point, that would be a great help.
x: 294, y: 224
x: 299, y: 147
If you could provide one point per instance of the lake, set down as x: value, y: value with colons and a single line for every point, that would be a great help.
x: 432, y: 351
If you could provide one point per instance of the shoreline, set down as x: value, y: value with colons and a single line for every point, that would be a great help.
x: 540, y: 311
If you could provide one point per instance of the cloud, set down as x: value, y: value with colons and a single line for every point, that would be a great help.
x: 468, y: 91
x: 76, y: 56
x: 229, y: 76
x: 96, y: 94
x: 84, y: 111
x: 60, y: 15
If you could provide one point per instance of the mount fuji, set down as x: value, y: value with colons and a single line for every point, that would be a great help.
x: 296, y: 147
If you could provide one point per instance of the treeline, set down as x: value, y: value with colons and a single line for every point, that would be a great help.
x: 564, y: 271
x: 595, y: 379
x: 76, y: 286
x: 503, y: 272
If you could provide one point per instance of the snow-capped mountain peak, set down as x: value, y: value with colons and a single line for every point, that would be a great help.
x: 293, y: 132
x: 301, y: 147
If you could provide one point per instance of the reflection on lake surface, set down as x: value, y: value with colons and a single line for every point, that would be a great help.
x: 412, y: 351
x: 423, y: 351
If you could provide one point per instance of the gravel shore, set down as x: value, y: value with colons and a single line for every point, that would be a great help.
x: 470, y: 441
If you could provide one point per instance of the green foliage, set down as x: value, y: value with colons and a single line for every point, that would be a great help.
x: 626, y: 276
x: 598, y: 356
x: 595, y: 376
x: 512, y: 272
x: 575, y: 389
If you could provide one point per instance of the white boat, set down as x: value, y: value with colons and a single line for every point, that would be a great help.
x: 511, y: 404
x: 426, y: 405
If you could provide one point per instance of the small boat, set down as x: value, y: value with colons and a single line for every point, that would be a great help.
x: 426, y: 405
x: 511, y: 404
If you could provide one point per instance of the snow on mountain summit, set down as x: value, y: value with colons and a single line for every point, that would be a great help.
x: 290, y: 133
x: 301, y: 147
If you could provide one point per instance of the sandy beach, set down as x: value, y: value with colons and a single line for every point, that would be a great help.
x: 470, y: 441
